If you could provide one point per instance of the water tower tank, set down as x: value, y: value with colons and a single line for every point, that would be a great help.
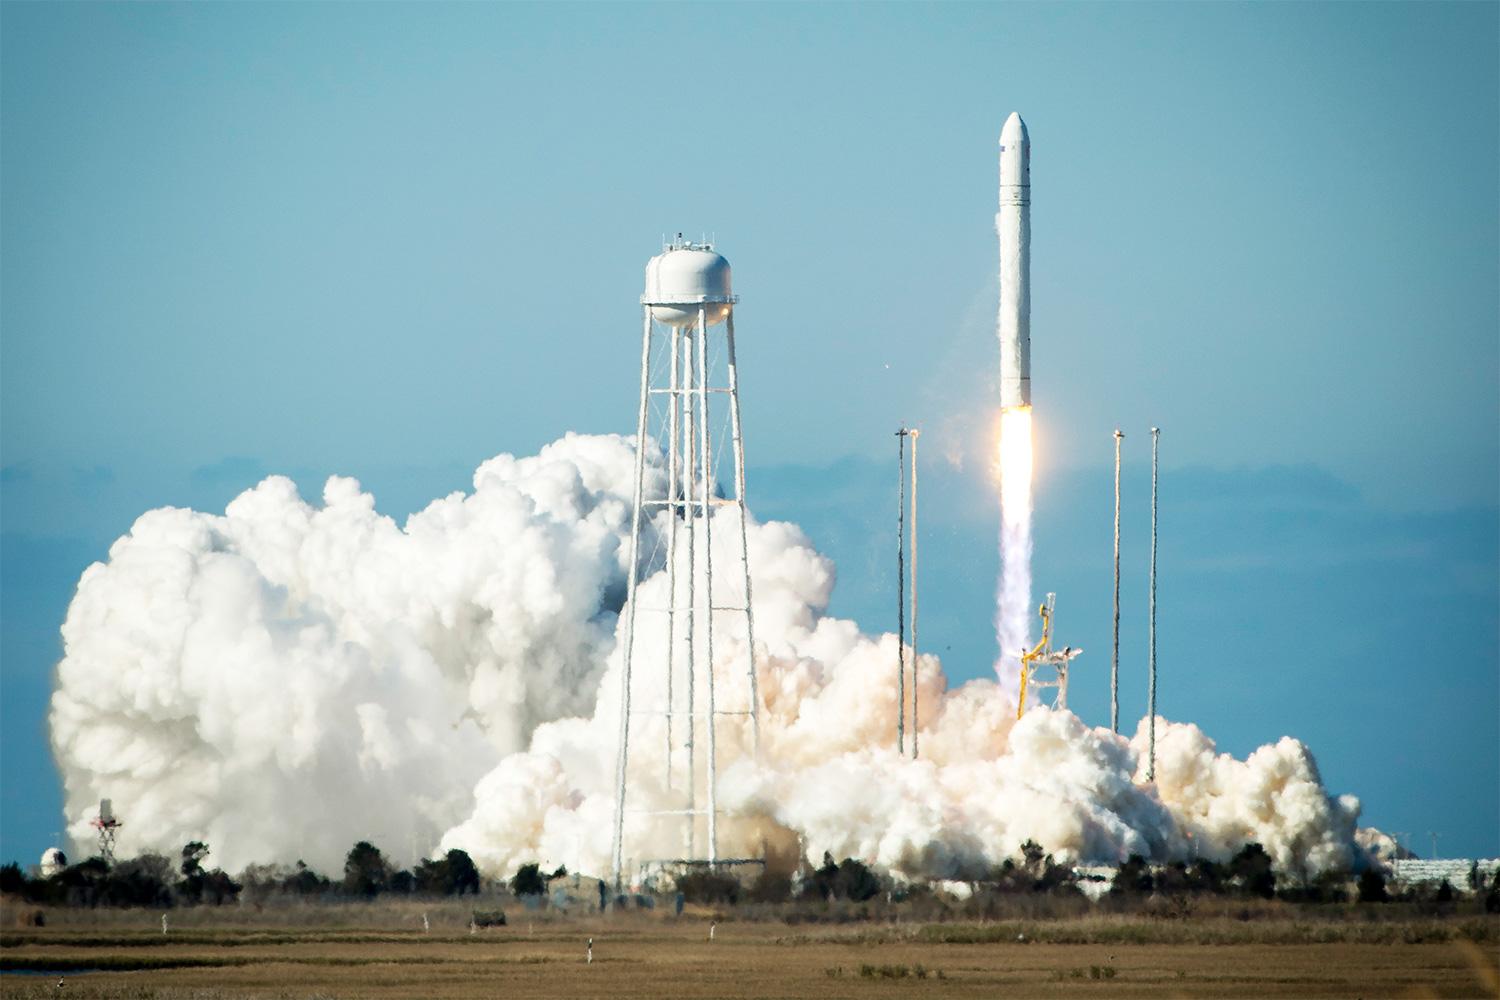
x: 683, y: 278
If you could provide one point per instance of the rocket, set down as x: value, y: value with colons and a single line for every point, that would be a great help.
x: 1013, y: 224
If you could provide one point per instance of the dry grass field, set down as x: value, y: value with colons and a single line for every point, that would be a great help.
x: 352, y: 952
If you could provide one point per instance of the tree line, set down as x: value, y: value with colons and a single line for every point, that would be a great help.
x: 153, y: 880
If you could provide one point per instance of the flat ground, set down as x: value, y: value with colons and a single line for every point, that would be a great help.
x: 650, y: 956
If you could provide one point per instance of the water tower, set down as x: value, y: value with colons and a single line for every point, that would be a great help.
x: 689, y: 403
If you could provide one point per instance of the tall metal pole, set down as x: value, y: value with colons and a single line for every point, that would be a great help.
x: 1114, y: 667
x: 1151, y: 767
x: 739, y: 486
x: 901, y: 591
x: 708, y: 596
x: 622, y: 757
x: 915, y: 687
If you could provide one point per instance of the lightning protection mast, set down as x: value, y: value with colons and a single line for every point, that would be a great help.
x: 1151, y: 692
x: 697, y: 632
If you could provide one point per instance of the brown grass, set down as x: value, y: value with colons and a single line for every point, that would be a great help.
x: 229, y: 953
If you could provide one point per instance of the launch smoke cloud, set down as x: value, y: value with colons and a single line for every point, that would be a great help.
x: 288, y: 677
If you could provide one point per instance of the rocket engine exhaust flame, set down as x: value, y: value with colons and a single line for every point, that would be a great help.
x: 1013, y: 602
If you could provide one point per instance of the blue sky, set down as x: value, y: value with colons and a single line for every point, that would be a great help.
x: 392, y: 240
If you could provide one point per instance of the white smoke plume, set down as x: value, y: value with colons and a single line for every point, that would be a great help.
x: 284, y: 679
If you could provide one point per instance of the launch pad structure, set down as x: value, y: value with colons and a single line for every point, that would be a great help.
x: 1043, y: 667
x: 688, y: 298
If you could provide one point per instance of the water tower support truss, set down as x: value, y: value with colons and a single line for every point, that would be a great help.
x: 688, y: 678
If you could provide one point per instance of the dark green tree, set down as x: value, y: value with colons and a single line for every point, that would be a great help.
x: 824, y: 881
x: 856, y: 882
x: 431, y: 876
x: 81, y: 884
x: 141, y: 881
x: 1252, y: 873
x: 1133, y: 878
x: 1205, y: 876
x: 848, y: 879
x: 451, y: 875
x: 193, y: 853
x: 13, y: 880
x: 1172, y: 880
x: 528, y: 881
x: 1372, y: 886
x: 463, y: 874
x: 366, y: 872
x: 305, y: 882
x: 194, y: 879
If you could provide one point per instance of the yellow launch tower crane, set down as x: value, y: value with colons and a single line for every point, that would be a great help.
x: 1041, y: 656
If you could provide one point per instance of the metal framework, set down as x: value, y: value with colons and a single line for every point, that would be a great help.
x: 107, y: 825
x: 698, y: 602
x: 1045, y: 667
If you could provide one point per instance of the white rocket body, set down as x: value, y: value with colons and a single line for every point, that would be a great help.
x: 1014, y: 226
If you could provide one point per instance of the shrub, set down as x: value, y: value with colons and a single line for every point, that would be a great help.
x: 489, y: 918
x: 708, y: 886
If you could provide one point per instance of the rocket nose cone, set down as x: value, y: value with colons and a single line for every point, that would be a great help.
x: 1014, y: 130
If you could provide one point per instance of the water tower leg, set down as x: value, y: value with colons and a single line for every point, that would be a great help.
x: 622, y: 757
x: 673, y: 397
x: 739, y: 496
x: 708, y: 597
x: 689, y: 464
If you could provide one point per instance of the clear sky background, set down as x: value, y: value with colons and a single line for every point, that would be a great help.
x: 392, y: 240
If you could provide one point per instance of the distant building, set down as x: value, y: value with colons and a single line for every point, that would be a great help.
x: 1418, y: 871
